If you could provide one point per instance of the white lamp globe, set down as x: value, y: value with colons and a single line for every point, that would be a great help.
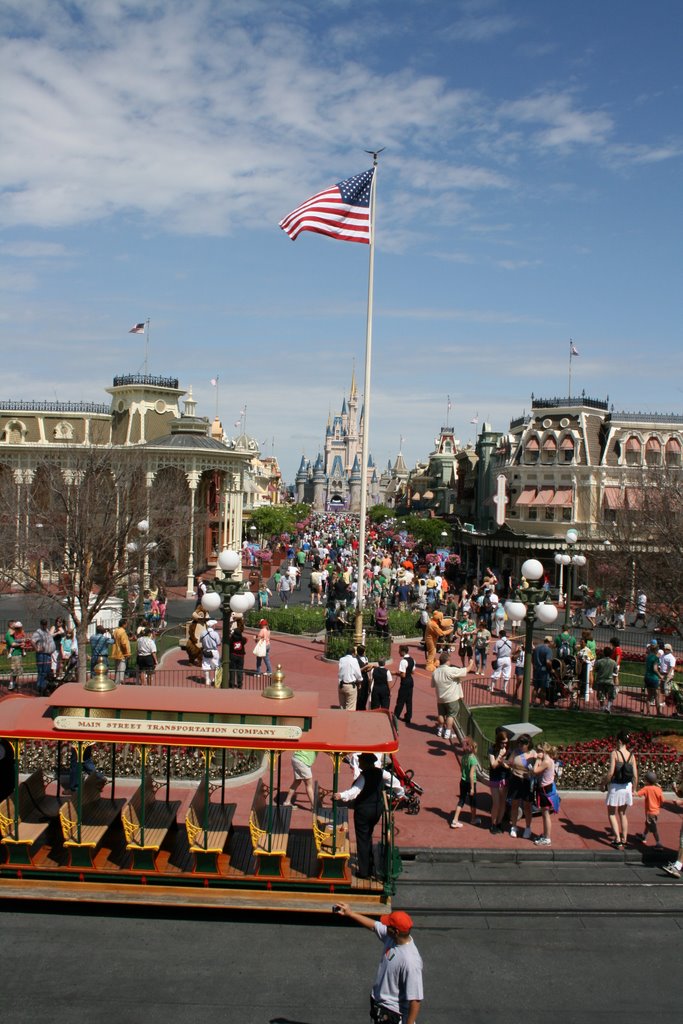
x: 532, y: 569
x: 516, y: 610
x: 143, y: 526
x: 251, y: 600
x: 571, y: 536
x: 228, y: 560
x: 494, y: 599
x: 579, y: 560
x: 131, y: 547
x: 546, y: 613
x: 211, y: 601
x: 561, y: 559
x: 240, y: 604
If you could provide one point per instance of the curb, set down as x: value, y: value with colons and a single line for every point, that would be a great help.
x: 483, y: 856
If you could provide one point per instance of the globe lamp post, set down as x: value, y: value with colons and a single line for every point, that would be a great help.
x: 228, y: 594
x: 142, y: 548
x: 530, y: 603
x: 573, y: 562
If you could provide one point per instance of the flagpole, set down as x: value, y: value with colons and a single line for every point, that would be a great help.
x: 358, y: 625
x: 569, y: 395
x: 146, y: 346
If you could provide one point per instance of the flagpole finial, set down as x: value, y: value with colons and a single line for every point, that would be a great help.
x: 374, y: 153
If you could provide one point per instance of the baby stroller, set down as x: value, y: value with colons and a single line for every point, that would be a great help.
x: 405, y: 796
x: 561, y: 685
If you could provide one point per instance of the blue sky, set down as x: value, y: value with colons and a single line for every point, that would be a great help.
x: 530, y: 192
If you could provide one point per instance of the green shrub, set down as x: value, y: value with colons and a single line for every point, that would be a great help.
x: 404, y: 624
x: 376, y: 647
x: 296, y: 620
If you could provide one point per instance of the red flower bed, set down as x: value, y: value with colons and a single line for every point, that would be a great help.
x: 584, y: 764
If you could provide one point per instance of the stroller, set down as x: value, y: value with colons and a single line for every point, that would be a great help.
x: 562, y: 674
x: 68, y: 674
x: 406, y: 795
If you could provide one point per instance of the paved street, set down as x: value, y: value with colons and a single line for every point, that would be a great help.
x: 498, y: 941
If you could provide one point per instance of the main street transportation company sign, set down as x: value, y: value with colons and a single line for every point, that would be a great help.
x: 156, y: 729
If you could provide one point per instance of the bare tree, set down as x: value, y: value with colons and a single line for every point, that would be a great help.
x: 646, y: 543
x: 64, y: 528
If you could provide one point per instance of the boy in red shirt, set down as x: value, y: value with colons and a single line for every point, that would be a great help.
x: 653, y: 801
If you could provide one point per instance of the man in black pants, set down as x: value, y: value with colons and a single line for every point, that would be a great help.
x: 405, y: 689
x: 366, y: 793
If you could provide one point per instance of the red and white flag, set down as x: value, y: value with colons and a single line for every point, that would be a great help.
x: 573, y: 350
x: 137, y: 329
x: 342, y: 211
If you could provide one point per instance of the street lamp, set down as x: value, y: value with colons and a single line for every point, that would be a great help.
x: 573, y: 561
x: 531, y: 602
x: 142, y: 548
x: 228, y: 594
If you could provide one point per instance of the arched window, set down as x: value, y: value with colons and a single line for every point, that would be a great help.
x: 653, y: 451
x: 673, y: 453
x: 15, y: 432
x: 531, y: 450
x: 567, y: 448
x: 550, y: 449
x: 633, y: 451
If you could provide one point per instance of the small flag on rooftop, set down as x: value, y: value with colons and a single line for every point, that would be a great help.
x: 573, y: 350
x: 342, y: 211
x: 137, y: 329
x: 214, y: 382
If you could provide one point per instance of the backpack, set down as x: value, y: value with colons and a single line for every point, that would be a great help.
x: 208, y: 643
x: 564, y: 649
x: 623, y: 771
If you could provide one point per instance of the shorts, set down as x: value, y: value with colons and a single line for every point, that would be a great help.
x: 301, y: 770
x: 448, y: 709
x: 146, y: 662
x: 465, y: 793
x: 520, y: 789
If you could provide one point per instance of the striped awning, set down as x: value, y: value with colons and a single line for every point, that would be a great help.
x: 633, y: 445
x: 567, y: 442
x: 544, y: 496
x: 673, y: 445
x: 562, y: 497
x: 613, y: 498
x: 550, y: 444
x: 653, y: 444
x: 532, y: 444
x: 527, y: 496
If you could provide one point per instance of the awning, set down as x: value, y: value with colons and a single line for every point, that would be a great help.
x: 653, y: 445
x: 673, y: 445
x: 544, y: 496
x: 613, y: 498
x: 563, y: 497
x: 532, y: 444
x: 567, y: 443
x: 633, y: 445
x: 527, y: 496
x: 634, y: 498
x: 550, y: 444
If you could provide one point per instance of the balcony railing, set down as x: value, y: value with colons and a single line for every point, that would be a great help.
x: 63, y: 407
x: 576, y: 402
x: 145, y: 379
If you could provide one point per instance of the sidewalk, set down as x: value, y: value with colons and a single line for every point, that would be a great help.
x: 580, y: 828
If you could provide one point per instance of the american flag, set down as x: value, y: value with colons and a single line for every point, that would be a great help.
x: 342, y: 211
x: 573, y: 351
x: 137, y: 329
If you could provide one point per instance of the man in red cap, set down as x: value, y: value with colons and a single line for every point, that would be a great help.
x: 397, y: 993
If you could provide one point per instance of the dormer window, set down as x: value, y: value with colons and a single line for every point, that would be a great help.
x: 532, y: 451
x: 653, y: 451
x: 673, y: 453
x: 633, y: 451
x: 550, y: 449
x: 567, y: 449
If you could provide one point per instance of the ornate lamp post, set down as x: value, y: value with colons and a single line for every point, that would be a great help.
x: 572, y: 562
x: 531, y: 602
x: 229, y: 594
x: 142, y: 548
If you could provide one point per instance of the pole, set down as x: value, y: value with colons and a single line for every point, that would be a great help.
x: 146, y: 346
x: 569, y: 392
x: 568, y: 603
x: 526, y: 679
x: 358, y: 625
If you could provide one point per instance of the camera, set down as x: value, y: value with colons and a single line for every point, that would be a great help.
x: 336, y: 909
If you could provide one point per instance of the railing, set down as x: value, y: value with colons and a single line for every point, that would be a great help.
x: 185, y: 678
x: 561, y: 403
x: 646, y: 417
x: 145, y: 378
x: 18, y: 406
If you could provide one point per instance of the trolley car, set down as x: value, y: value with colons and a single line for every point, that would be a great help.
x: 135, y: 833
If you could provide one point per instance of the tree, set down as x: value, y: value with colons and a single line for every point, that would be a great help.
x: 273, y: 520
x: 428, y: 532
x: 65, y: 527
x: 378, y: 513
x: 645, y: 546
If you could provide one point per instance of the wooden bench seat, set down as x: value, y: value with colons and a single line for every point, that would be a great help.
x: 145, y: 840
x: 208, y: 827
x: 332, y: 844
x: 269, y: 844
x: 19, y: 837
x: 34, y: 803
x: 97, y: 817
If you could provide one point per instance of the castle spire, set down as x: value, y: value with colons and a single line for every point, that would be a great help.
x: 354, y: 391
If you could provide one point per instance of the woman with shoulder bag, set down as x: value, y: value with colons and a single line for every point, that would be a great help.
x: 546, y: 796
x: 622, y: 779
x: 262, y: 647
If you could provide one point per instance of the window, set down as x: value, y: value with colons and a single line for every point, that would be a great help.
x: 653, y: 452
x: 549, y: 450
x: 567, y: 449
x: 566, y: 515
x: 549, y: 514
x: 532, y: 451
x: 633, y: 452
x: 533, y: 513
x: 673, y: 453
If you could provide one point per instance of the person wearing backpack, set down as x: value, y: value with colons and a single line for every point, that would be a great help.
x: 237, y: 648
x: 622, y: 779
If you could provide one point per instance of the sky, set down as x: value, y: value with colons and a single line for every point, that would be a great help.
x: 529, y: 192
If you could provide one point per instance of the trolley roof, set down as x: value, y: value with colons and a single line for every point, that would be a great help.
x: 203, y: 717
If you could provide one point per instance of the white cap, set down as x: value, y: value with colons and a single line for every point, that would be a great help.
x: 212, y: 622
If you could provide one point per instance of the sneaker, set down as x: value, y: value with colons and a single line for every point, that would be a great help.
x: 439, y: 731
x: 447, y: 734
x: 542, y: 841
x: 526, y: 834
x: 513, y: 832
x: 456, y: 824
x: 477, y: 821
x: 672, y: 870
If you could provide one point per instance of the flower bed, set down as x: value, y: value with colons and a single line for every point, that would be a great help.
x: 584, y: 764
